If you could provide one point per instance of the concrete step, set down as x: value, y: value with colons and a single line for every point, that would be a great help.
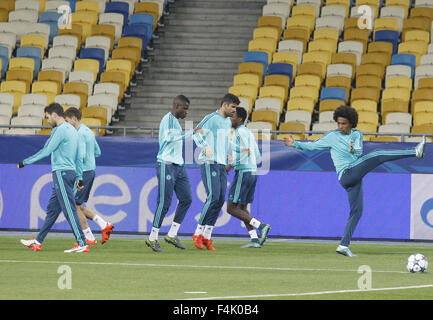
x: 175, y: 90
x: 196, y: 53
x: 199, y: 23
x: 189, y: 83
x: 234, y: 16
x: 168, y: 58
x: 224, y: 71
x: 166, y: 100
x: 234, y: 5
x: 202, y: 65
x: 192, y: 38
x: 186, y: 76
x: 197, y: 34
x: 216, y: 30
x: 171, y: 46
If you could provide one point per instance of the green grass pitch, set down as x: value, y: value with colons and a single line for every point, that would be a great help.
x: 124, y: 268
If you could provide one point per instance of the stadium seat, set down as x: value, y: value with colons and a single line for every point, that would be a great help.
x: 301, y: 116
x: 93, y: 54
x: 248, y: 79
x: 151, y: 8
x: 333, y: 93
x: 273, y: 104
x: 257, y: 56
x: 110, y: 89
x: 281, y: 69
x: 143, y: 19
x: 308, y: 80
x: 6, y: 104
x: 138, y: 31
x: 278, y: 80
x: 77, y: 88
x: 21, y: 75
x: 48, y: 88
x: 88, y: 65
x: 269, y: 116
x: 114, y: 19
x: 109, y: 102
x: 76, y: 30
x: 271, y: 21
x: 276, y: 92
x: 95, y: 112
x: 292, y: 126
x: 306, y: 104
x: 102, y: 36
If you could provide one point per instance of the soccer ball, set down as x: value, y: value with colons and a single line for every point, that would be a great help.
x: 416, y: 263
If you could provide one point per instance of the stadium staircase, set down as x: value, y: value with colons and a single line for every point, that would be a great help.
x: 197, y: 54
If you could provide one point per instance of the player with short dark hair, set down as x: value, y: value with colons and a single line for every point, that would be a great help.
x: 244, y: 183
x: 346, y: 148
x: 171, y: 174
x: 215, y: 142
x: 91, y: 151
x: 64, y: 148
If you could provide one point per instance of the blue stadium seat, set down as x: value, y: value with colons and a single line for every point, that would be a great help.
x: 94, y: 53
x: 388, y: 36
x: 281, y: 68
x: 139, y: 31
x: 4, y: 55
x: 51, y: 18
x: 333, y: 93
x: 142, y: 19
x: 406, y: 59
x: 257, y: 56
x: 34, y: 53
x: 72, y: 4
x: 118, y: 7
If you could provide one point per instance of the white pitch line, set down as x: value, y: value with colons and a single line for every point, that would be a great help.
x: 312, y: 293
x: 194, y: 266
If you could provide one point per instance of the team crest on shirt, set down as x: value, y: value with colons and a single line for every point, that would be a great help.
x: 168, y: 177
x: 214, y: 173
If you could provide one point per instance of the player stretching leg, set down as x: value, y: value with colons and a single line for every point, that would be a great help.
x: 244, y: 183
x: 345, y: 145
x: 91, y: 151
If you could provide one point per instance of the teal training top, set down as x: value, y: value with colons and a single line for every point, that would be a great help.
x: 171, y: 139
x: 63, y: 146
x: 243, y: 138
x: 338, y: 144
x: 216, y: 135
x: 90, y: 147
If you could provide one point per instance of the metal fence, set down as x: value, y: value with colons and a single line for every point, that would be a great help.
x: 153, y: 132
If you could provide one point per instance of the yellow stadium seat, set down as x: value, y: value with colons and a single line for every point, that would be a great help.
x: 271, y: 21
x: 263, y: 44
x: 385, y: 139
x: 49, y: 88
x: 297, y: 34
x: 266, y: 32
x: 322, y: 58
x: 17, y: 89
x: 91, y: 65
x: 121, y: 65
x: 311, y: 68
x: 368, y: 117
x: 80, y: 89
x: 306, y: 104
x: 400, y: 82
x: 364, y: 105
x: 327, y: 45
x: 330, y: 105
x: 130, y: 42
x: 21, y: 75
x: 366, y: 127
x: 247, y: 78
x: 106, y: 30
x: 417, y: 48
x: 149, y: 8
x: 305, y: 22
x: 365, y: 93
x: 95, y: 112
x: 425, y: 83
x: 4, y: 15
x: 422, y: 118
x: 86, y: 19
x: 269, y: 116
x: 356, y: 34
x: 115, y: 77
x: 415, y: 23
x: 422, y: 106
x: 308, y: 80
x: 380, y: 46
x: 131, y: 54
x: 94, y: 122
x: 422, y: 12
x: 245, y: 91
x: 380, y: 58
x: 367, y: 81
x: 387, y: 23
x: 425, y: 128
x: 22, y: 63
x: 396, y: 94
x: 420, y: 95
x: 292, y: 126
x: 345, y: 58
x: 393, y: 106
x: 275, y: 92
x: 92, y: 6
x: 251, y: 67
x: 278, y: 80
x: 325, y: 33
x: 75, y: 30
x: 8, y: 5
x: 45, y: 132
x: 400, y: 3
x: 304, y: 92
x: 370, y: 70
x: 304, y: 10
x: 289, y: 57
x: 416, y: 35
x: 52, y: 75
